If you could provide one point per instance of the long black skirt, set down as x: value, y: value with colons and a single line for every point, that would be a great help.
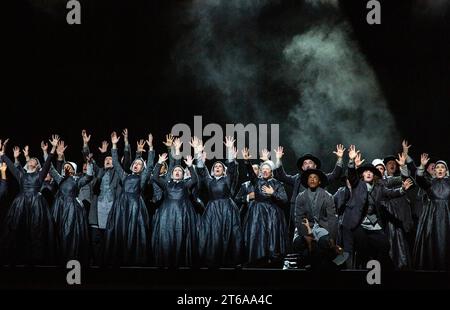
x: 220, y: 235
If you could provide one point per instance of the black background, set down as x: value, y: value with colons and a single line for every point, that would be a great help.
x: 117, y: 70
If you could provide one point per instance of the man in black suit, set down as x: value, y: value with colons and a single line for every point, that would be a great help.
x: 363, y: 216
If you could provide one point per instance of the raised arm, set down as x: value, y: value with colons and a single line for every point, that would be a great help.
x: 353, y: 177
x: 86, y: 138
x: 3, y: 185
x: 338, y: 168
x: 46, y: 168
x: 55, y: 174
x: 279, y: 172
x: 115, y: 156
x: 89, y: 176
x: 192, y: 182
x: 126, y: 152
x: 232, y: 165
x: 159, y: 180
x: 253, y: 177
x: 15, y: 171
x: 420, y: 173
x: 150, y: 162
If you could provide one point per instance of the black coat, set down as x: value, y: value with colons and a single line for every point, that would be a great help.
x: 295, y: 182
x: 323, y: 213
x: 3, y: 188
x: 354, y: 211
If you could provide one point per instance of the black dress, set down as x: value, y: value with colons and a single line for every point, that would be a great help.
x: 399, y: 222
x: 71, y: 225
x: 432, y: 246
x: 3, y: 188
x: 28, y: 232
x: 265, y: 231
x: 127, y: 233
x: 175, y: 234
x: 220, y: 235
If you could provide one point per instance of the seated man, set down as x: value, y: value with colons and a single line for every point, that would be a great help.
x: 316, y: 223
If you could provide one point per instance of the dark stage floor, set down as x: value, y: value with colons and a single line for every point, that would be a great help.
x: 221, y: 279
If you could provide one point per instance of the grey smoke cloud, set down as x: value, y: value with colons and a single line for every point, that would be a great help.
x: 318, y: 3
x: 338, y: 99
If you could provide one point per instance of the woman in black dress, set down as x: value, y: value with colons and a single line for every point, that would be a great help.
x: 220, y: 236
x: 432, y: 246
x: 70, y: 216
x: 265, y: 231
x: 127, y: 233
x: 174, y: 237
x: 28, y: 235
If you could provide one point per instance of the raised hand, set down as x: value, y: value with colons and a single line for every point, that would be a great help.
x: 54, y: 141
x: 233, y: 152
x: 194, y: 143
x: 279, y: 152
x: 104, y: 147
x: 60, y: 148
x: 162, y: 158
x: 3, y: 166
x: 401, y: 159
x: 267, y: 190
x: 44, y: 147
x: 149, y: 141
x: 246, y: 153
x: 204, y: 157
x: 229, y: 142
x: 265, y: 155
x: 90, y: 158
x: 340, y: 149
x: 177, y: 144
x: 358, y: 160
x: 169, y: 140
x: 189, y: 161
x: 86, y: 137
x: 26, y: 153
x: 140, y: 146
x: 352, y: 153
x: 405, y: 147
x: 125, y: 135
x: 16, y: 152
x: 114, y: 138
x: 424, y: 158
x: 407, y: 184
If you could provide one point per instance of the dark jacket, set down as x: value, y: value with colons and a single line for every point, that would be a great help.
x: 322, y: 213
x: 3, y: 188
x: 355, y: 209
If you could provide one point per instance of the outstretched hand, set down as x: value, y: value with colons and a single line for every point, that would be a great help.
x: 424, y: 158
x: 162, y: 158
x: 114, y: 138
x: 86, y: 137
x: 352, y: 153
x: 104, y: 147
x: 189, y: 161
x: 246, y: 153
x: 407, y: 184
x: 340, y: 149
x: 265, y: 154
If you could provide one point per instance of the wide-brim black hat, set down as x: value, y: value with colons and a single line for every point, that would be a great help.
x: 369, y: 167
x: 389, y: 158
x: 311, y: 157
x: 322, y: 177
